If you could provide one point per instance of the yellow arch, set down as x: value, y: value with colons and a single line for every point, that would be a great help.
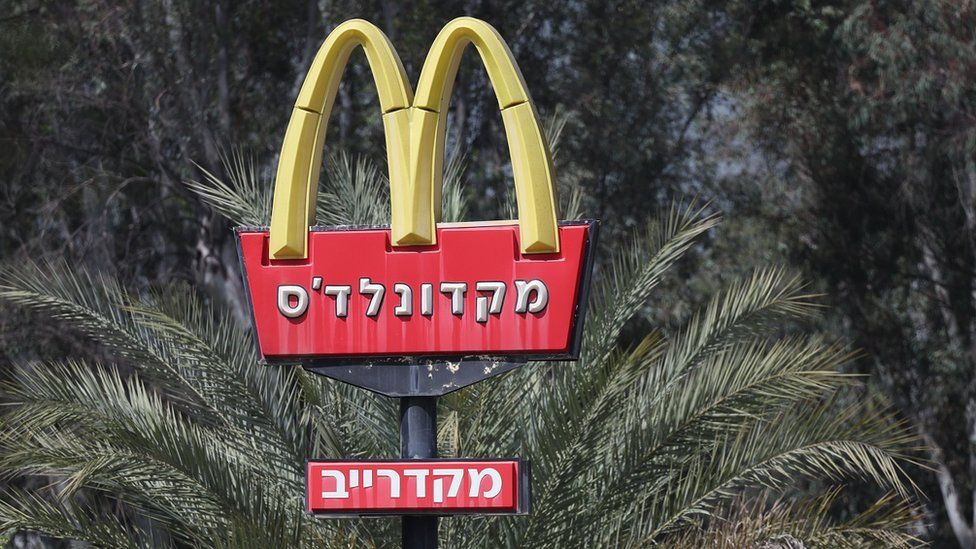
x: 296, y: 183
x: 531, y: 161
x: 415, y: 135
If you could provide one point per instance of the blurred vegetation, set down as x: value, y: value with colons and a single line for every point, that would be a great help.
x: 837, y: 138
x: 182, y: 439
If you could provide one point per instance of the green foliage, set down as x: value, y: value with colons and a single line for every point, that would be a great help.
x: 787, y: 525
x: 863, y: 112
x: 838, y: 136
x: 182, y: 439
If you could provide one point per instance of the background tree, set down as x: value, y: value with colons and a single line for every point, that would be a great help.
x: 663, y: 441
x: 871, y: 144
x: 836, y: 135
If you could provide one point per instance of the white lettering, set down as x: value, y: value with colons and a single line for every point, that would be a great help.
x: 341, y: 294
x: 285, y: 293
x: 452, y: 490
x: 426, y: 299
x: 421, y: 476
x: 532, y: 296
x: 445, y: 483
x: 483, y: 306
x: 405, y: 308
x: 340, y: 480
x: 524, y: 291
x: 394, y: 481
x: 457, y: 291
x: 375, y: 291
x: 475, y: 477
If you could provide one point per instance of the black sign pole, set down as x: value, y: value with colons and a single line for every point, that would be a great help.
x: 418, y: 440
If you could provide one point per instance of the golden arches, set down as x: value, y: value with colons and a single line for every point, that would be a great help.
x: 296, y: 183
x: 415, y: 135
x: 531, y: 161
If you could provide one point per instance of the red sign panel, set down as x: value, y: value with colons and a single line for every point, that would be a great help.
x: 472, y: 294
x: 414, y: 486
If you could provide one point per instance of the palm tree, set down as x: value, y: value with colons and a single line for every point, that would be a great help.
x: 723, y: 432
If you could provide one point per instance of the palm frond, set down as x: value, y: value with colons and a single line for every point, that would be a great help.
x: 355, y: 193
x: 244, y: 198
x: 454, y: 202
x: 27, y: 511
x: 635, y: 271
x: 805, y: 522
x: 94, y: 306
x: 817, y: 442
x: 676, y: 436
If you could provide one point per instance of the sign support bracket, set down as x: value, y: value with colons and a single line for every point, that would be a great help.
x: 418, y: 440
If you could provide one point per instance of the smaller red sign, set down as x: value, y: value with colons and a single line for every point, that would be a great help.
x: 415, y: 487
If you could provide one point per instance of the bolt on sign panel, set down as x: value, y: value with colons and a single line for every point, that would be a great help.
x: 414, y: 486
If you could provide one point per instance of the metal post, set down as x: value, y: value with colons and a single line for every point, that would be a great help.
x: 418, y: 440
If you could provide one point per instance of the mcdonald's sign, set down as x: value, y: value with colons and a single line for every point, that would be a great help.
x: 443, y: 486
x: 417, y: 290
